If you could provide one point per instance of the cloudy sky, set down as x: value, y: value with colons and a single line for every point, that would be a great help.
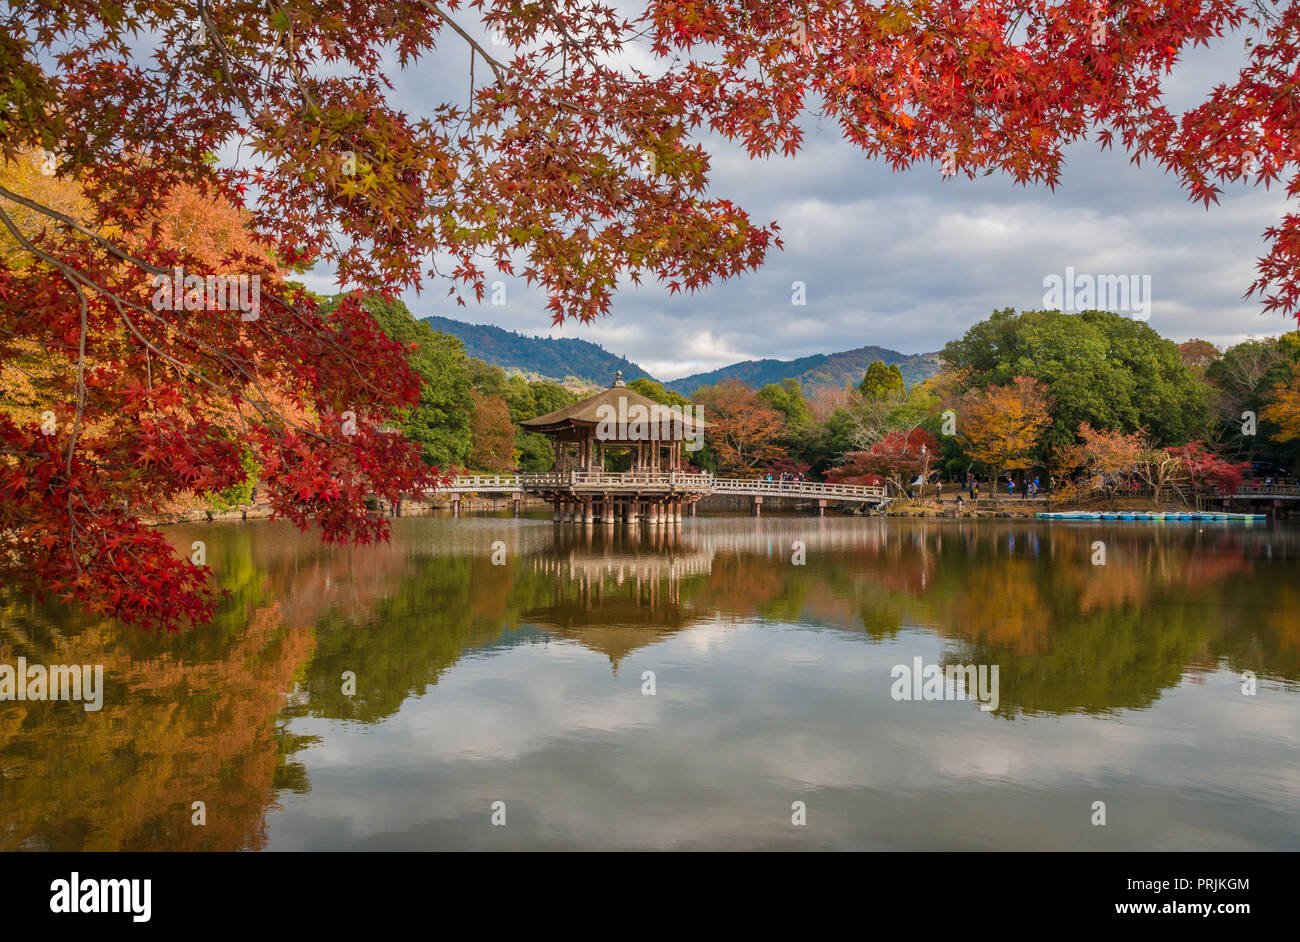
x: 910, y: 260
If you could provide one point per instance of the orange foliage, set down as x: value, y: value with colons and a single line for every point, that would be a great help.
x: 1284, y: 410
x: 745, y: 429
x: 493, y: 435
x: 1000, y: 425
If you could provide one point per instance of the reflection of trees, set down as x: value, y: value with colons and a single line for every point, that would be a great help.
x: 202, y: 716
x: 186, y: 717
x: 439, y: 608
x: 1266, y: 639
x: 1069, y: 636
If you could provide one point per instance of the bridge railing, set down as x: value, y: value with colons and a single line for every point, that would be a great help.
x: 484, y: 482
x: 659, y: 479
x: 795, y: 488
x: 1271, y: 490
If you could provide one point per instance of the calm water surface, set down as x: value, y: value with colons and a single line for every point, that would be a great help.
x: 523, y: 683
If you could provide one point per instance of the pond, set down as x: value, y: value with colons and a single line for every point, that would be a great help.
x: 733, y: 683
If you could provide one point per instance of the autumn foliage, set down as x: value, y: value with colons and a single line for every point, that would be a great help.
x: 1110, y: 461
x: 1000, y: 425
x: 746, y: 430
x: 563, y: 164
x: 121, y: 406
x: 897, y: 458
x: 1284, y: 409
x: 494, y: 435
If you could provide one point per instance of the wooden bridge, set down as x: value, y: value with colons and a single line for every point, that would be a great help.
x: 657, y: 495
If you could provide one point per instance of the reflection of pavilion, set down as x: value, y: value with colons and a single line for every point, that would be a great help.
x: 614, y: 595
x: 614, y: 427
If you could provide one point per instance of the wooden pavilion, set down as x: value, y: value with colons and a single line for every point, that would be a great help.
x: 644, y: 439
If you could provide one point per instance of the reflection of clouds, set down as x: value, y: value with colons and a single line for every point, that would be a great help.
x: 710, y: 637
x: 736, y: 733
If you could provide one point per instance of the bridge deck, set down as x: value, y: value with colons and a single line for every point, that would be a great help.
x: 655, y: 483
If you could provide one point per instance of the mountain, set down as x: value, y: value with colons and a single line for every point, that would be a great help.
x: 821, y: 369
x: 556, y: 358
x: 563, y: 358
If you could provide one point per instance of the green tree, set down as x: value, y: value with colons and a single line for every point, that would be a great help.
x: 882, y: 381
x: 527, y: 400
x: 1244, y: 380
x: 787, y: 398
x: 655, y: 391
x: 487, y: 379
x: 830, y: 439
x: 1098, y: 367
x: 440, y: 424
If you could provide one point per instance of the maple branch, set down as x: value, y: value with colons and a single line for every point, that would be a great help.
x: 290, y: 48
x: 88, y: 233
x: 77, y: 279
x: 226, y: 57
x: 216, y: 355
x: 498, y: 69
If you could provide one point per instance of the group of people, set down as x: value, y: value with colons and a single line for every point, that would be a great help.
x: 784, y: 477
x: 1029, y: 489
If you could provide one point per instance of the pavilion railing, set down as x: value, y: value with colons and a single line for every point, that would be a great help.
x: 617, y: 479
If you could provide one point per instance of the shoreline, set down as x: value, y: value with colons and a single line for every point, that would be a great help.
x: 985, y: 509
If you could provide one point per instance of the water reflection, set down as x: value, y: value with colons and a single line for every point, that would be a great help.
x: 773, y: 639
